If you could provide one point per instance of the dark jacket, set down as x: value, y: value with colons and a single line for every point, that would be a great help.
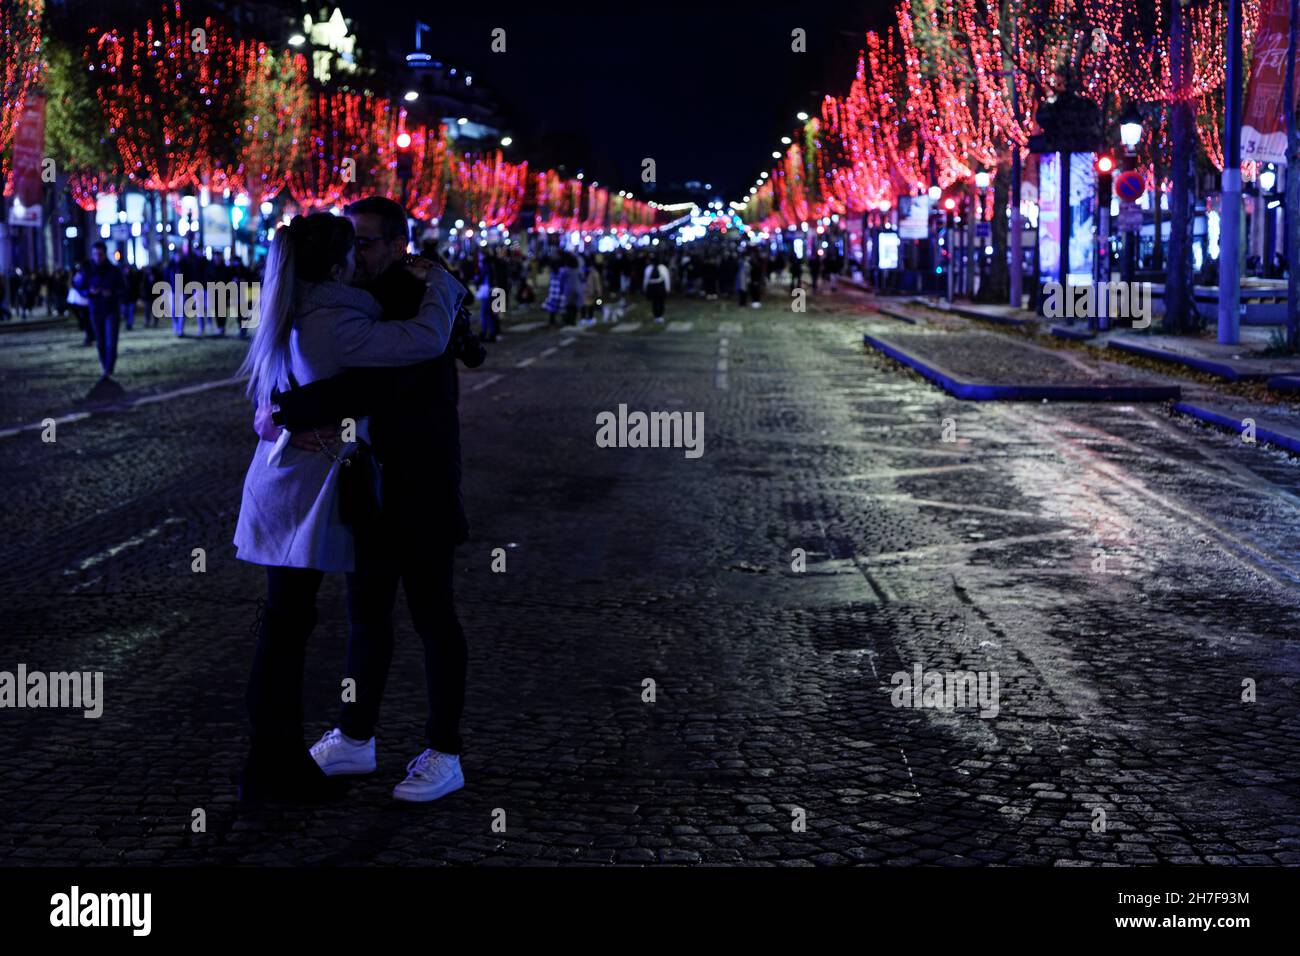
x: 414, y: 422
x: 102, y: 284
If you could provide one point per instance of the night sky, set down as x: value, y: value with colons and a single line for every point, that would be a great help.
x: 706, y: 92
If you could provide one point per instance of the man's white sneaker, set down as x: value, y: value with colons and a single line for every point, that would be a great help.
x: 429, y: 776
x: 341, y: 756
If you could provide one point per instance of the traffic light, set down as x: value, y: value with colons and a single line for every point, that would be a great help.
x: 1105, y: 168
x: 403, y: 155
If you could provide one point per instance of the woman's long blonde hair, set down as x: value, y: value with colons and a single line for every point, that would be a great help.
x: 306, y: 250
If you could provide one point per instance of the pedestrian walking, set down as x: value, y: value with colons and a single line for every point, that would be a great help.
x: 657, y: 284
x: 593, y: 291
x: 101, y: 284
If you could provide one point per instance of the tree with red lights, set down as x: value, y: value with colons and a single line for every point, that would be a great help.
x: 169, y: 96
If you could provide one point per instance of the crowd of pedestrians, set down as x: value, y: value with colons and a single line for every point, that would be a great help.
x: 570, y: 288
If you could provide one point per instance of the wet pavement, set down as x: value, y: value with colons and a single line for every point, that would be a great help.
x: 1122, y: 572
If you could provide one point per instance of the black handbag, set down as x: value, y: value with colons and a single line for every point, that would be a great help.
x: 360, y: 487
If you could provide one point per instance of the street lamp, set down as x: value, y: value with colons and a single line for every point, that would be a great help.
x: 1130, y: 134
x: 981, y: 180
x: 934, y: 192
x: 1130, y: 127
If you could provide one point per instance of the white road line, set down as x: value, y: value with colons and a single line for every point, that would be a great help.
x: 486, y: 382
x: 119, y: 548
x: 679, y: 326
x: 524, y: 363
x: 524, y: 327
x: 564, y: 342
x: 36, y: 426
x: 551, y: 351
x: 730, y: 328
x: 125, y: 405
x: 626, y: 327
x: 188, y: 390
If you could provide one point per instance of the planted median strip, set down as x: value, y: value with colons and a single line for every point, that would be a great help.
x: 981, y: 368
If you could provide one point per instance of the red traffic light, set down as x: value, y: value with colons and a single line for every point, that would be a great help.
x: 1105, y: 164
x: 403, y: 140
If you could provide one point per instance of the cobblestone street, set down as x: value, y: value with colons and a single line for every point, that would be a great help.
x: 1122, y: 572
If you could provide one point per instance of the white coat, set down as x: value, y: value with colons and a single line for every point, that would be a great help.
x: 289, y: 515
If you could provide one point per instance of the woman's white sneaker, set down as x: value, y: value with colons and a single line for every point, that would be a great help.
x: 429, y: 776
x: 340, y: 756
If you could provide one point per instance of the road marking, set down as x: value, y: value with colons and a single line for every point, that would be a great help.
x: 524, y: 363
x: 125, y: 405
x: 730, y: 328
x: 117, y: 549
x: 524, y: 326
x: 904, y: 472
x: 564, y: 342
x: 74, y: 417
x: 722, y: 363
x: 188, y: 390
x: 486, y: 382
x: 679, y: 326
x: 968, y: 546
x: 626, y: 327
x: 551, y: 351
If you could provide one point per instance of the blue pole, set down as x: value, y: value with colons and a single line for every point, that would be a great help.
x: 1230, y: 211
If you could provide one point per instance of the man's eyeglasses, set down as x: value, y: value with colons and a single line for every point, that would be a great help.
x: 365, y: 242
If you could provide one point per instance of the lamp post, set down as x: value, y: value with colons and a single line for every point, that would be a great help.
x: 975, y: 253
x: 1130, y: 134
x: 1230, y: 194
x: 949, y: 205
x: 1268, y: 180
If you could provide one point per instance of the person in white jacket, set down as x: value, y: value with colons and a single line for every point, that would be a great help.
x: 657, y: 283
x: 311, y: 325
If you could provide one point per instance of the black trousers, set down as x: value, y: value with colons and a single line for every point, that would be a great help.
x: 274, y: 694
x: 385, y: 557
x: 106, y: 321
x: 657, y: 295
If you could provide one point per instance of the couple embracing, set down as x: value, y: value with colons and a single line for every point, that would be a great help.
x: 352, y: 371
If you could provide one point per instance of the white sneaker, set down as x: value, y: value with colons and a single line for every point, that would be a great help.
x: 341, y: 756
x: 429, y: 776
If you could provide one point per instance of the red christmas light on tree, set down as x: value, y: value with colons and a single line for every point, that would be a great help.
x: 20, y: 62
x: 337, y: 145
x: 273, y: 96
x: 490, y: 189
x: 85, y: 187
x: 166, y: 95
x: 426, y: 191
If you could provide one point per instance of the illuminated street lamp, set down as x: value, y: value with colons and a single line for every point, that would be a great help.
x: 1130, y: 128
